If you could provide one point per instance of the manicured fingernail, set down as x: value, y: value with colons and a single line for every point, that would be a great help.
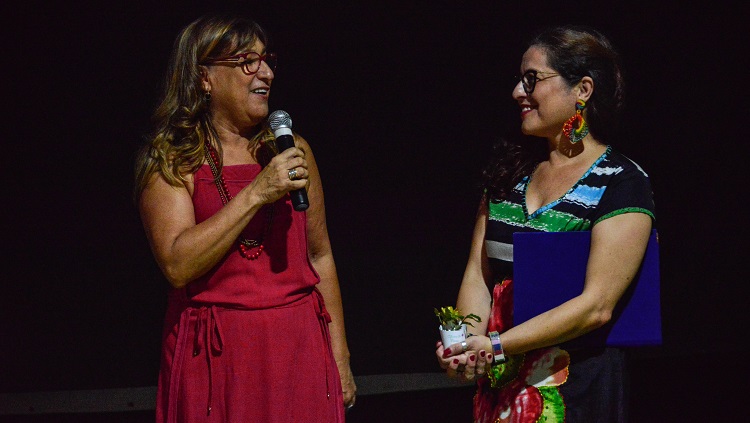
x: 447, y: 352
x: 472, y: 358
x: 481, y: 353
x: 455, y: 361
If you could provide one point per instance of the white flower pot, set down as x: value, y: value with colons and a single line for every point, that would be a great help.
x: 450, y: 337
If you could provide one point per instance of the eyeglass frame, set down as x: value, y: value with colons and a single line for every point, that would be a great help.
x: 536, y: 79
x: 242, y: 60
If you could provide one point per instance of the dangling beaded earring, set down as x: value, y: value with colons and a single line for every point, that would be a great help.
x: 581, y: 127
x: 207, y: 96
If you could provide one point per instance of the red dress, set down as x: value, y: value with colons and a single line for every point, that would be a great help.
x: 249, y: 340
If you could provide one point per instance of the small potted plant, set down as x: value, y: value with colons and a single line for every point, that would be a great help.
x: 453, y: 325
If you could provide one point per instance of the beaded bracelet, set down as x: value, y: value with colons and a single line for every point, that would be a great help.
x: 497, y: 348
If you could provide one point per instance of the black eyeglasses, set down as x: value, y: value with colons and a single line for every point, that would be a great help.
x: 250, y: 62
x: 531, y: 77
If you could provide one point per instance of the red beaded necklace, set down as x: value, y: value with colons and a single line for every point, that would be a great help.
x: 245, y: 244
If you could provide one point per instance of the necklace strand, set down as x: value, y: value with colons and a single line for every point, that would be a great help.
x: 246, y: 245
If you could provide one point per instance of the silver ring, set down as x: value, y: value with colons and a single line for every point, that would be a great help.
x: 292, y: 174
x: 464, y: 346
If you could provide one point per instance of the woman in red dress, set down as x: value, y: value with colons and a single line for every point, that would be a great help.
x: 254, y: 329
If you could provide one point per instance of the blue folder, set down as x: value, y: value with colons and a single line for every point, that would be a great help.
x: 549, y: 268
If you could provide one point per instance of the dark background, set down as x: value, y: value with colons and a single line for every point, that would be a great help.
x: 401, y: 102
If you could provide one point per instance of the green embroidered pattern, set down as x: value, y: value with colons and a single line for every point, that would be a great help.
x: 556, y: 221
x: 627, y: 210
x: 554, y: 406
x: 548, y: 221
x: 504, y: 373
x: 510, y: 213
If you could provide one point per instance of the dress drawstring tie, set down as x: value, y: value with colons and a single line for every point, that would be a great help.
x: 324, y: 319
x: 207, y: 336
x: 208, y: 331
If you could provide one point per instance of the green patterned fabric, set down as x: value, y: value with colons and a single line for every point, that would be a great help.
x: 611, y: 186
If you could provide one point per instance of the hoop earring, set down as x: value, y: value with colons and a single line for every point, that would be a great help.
x: 577, y: 121
x: 207, y: 96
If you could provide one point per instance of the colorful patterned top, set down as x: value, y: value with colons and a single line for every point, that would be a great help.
x: 613, y: 185
x: 553, y: 384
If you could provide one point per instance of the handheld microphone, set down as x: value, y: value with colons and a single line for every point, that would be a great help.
x: 281, y: 125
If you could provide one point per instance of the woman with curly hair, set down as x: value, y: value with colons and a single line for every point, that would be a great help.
x: 254, y: 329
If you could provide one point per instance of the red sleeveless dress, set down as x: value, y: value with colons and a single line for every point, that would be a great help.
x: 249, y: 341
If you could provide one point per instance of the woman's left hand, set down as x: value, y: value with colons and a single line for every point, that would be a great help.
x: 465, y: 365
x: 348, y: 386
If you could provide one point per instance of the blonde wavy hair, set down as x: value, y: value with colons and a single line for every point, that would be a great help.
x: 182, y: 122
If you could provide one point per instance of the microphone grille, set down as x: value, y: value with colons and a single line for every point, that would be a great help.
x: 279, y: 119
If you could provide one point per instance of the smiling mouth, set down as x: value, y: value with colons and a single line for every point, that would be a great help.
x: 261, y: 91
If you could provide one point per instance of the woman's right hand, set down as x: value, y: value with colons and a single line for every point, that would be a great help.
x: 464, y: 366
x: 274, y: 181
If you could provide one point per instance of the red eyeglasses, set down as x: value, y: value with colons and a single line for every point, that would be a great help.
x: 250, y: 62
